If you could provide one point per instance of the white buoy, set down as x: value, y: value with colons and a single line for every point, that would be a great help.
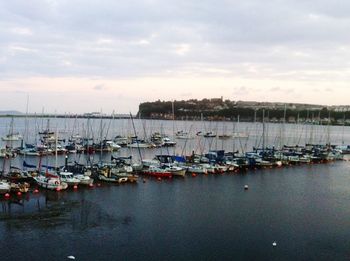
x: 71, y: 257
x: 246, y: 187
x: 274, y: 244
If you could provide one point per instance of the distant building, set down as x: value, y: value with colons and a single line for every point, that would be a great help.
x: 94, y: 114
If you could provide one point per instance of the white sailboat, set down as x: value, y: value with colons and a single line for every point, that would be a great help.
x: 5, y: 187
x: 69, y: 178
x: 49, y: 182
x: 12, y: 136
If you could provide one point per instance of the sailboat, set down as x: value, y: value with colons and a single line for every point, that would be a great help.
x: 12, y: 136
x: 52, y: 181
x: 4, y: 187
x: 68, y: 178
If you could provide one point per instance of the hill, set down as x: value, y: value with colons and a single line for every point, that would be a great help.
x: 219, y: 109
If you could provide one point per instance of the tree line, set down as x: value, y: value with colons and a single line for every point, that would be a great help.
x: 227, y: 110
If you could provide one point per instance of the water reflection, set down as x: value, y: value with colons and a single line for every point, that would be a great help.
x: 56, y: 210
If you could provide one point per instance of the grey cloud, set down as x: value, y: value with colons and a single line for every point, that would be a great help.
x: 298, y: 40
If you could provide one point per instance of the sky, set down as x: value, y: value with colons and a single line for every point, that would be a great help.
x: 82, y: 56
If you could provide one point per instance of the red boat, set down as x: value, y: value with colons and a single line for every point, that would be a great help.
x: 158, y: 172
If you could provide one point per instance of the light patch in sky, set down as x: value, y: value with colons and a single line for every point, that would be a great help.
x: 182, y: 49
x: 124, y: 95
x: 21, y: 31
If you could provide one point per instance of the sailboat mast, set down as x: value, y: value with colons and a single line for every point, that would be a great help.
x: 329, y: 129
x: 263, y: 134
x: 101, y: 133
x: 26, y: 121
x: 138, y: 145
x: 26, y: 129
x: 87, y: 141
x: 173, y: 111
x: 342, y: 138
x: 56, y: 142
x: 283, y: 134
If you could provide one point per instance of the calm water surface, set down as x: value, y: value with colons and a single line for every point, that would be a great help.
x: 304, y: 209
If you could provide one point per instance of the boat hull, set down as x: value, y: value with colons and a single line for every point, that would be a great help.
x: 158, y: 174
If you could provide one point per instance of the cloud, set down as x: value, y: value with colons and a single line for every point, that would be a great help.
x: 241, y: 90
x: 99, y: 87
x: 182, y: 49
x: 251, y: 38
x: 21, y: 31
x: 243, y: 43
x: 275, y: 89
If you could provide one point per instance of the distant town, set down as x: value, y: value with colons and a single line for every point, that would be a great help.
x: 248, y: 111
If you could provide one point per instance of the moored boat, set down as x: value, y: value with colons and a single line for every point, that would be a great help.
x: 20, y: 187
x: 112, y: 179
x: 155, y: 171
x: 12, y: 137
x: 5, y: 187
x: 209, y: 134
x: 51, y: 183
x: 175, y: 170
x: 84, y: 180
x: 69, y: 178
x: 197, y: 169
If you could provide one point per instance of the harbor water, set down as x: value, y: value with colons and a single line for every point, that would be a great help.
x: 303, y: 209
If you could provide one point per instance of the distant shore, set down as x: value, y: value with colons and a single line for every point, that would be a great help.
x: 183, y: 118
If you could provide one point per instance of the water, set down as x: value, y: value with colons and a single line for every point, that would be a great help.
x: 305, y: 209
x: 276, y: 135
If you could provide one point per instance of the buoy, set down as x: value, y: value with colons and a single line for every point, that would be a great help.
x: 98, y: 184
x: 75, y: 187
x: 274, y: 244
x: 194, y: 174
x: 159, y: 178
x: 246, y: 187
x: 36, y: 191
x: 7, y: 195
x: 71, y: 257
x: 92, y: 185
x: 58, y: 189
x: 19, y: 193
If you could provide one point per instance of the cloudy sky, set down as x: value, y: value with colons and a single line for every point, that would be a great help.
x: 81, y: 55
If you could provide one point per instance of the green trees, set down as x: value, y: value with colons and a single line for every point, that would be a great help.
x: 217, y: 109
